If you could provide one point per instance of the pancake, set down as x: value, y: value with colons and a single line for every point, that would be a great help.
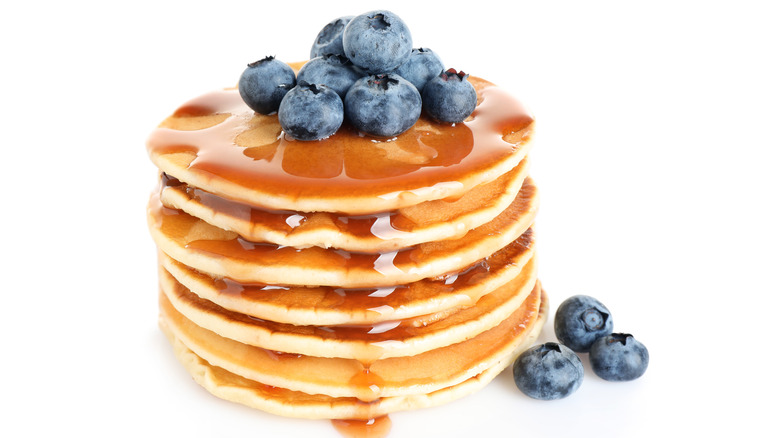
x: 298, y: 386
x: 366, y: 343
x: 218, y: 144
x: 349, y: 277
x: 386, y: 231
x: 325, y: 305
x: 207, y: 248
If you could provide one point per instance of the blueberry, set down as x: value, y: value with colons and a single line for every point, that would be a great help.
x: 329, y: 40
x: 580, y: 320
x: 264, y: 83
x: 311, y: 112
x: 448, y: 97
x: 335, y: 71
x: 548, y: 372
x: 618, y: 357
x: 382, y: 105
x: 420, y: 68
x: 377, y: 41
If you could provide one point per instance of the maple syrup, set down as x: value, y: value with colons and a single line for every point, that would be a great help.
x: 430, y: 158
x: 367, y: 385
x: 378, y: 427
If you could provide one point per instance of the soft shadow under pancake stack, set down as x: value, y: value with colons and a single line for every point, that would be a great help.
x: 349, y: 277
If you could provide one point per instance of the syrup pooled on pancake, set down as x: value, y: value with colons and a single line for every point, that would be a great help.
x: 224, y: 148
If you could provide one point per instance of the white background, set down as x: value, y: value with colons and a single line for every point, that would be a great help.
x: 656, y: 157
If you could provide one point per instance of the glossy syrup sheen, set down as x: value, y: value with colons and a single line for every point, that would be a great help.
x: 347, y: 164
x: 378, y: 427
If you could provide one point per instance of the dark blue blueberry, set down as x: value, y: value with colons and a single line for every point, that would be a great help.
x: 420, y: 68
x: 264, y: 83
x: 548, y: 372
x: 311, y: 112
x: 329, y: 39
x: 382, y: 105
x: 618, y: 357
x: 448, y: 97
x: 580, y: 320
x: 377, y: 41
x: 335, y: 71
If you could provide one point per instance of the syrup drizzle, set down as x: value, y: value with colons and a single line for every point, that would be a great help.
x: 368, y: 386
x: 431, y: 157
x: 378, y: 427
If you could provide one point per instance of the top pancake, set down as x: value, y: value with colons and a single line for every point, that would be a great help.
x: 218, y: 144
x: 425, y: 222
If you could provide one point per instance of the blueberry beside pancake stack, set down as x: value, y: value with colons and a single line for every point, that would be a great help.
x: 350, y: 276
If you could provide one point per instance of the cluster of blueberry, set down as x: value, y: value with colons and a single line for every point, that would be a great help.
x: 582, y: 324
x: 364, y: 69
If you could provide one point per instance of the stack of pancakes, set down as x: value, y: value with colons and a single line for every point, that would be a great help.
x: 349, y: 277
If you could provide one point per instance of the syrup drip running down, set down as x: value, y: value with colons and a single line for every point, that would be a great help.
x: 369, y: 386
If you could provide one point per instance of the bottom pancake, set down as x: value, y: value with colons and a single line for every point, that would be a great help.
x: 290, y: 403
